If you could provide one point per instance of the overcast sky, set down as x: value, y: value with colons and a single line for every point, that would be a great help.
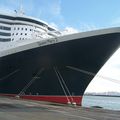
x: 77, y: 15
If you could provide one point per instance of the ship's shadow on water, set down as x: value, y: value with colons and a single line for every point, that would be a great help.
x: 96, y: 107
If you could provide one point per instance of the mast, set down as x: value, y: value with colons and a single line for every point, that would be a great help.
x: 21, y: 11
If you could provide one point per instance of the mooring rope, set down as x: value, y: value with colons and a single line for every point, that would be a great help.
x: 55, y: 69
x: 30, y: 83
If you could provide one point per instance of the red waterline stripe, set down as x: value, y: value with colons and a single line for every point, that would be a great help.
x: 57, y: 99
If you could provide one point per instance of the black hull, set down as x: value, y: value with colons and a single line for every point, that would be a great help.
x: 39, y: 71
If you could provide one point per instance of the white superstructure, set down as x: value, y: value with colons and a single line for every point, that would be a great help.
x: 20, y: 27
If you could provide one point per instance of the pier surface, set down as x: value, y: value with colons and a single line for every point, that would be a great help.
x: 17, y: 109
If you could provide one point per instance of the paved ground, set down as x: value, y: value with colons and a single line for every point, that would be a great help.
x: 16, y: 109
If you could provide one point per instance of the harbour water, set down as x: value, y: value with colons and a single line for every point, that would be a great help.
x: 111, y: 103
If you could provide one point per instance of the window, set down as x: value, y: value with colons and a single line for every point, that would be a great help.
x: 25, y: 33
x: 16, y: 33
x: 21, y: 33
x: 30, y: 29
x: 5, y: 28
x: 4, y: 40
x: 13, y: 34
x: 21, y: 28
x: 14, y: 28
x: 18, y: 28
x: 5, y: 34
x: 25, y: 28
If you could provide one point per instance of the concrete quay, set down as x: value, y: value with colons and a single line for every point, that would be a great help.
x: 18, y: 109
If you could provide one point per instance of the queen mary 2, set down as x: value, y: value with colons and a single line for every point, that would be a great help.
x: 37, y: 62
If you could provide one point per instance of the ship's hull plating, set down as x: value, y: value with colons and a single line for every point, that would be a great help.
x: 58, y: 72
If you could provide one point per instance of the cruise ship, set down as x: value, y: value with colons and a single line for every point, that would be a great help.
x: 38, y: 62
